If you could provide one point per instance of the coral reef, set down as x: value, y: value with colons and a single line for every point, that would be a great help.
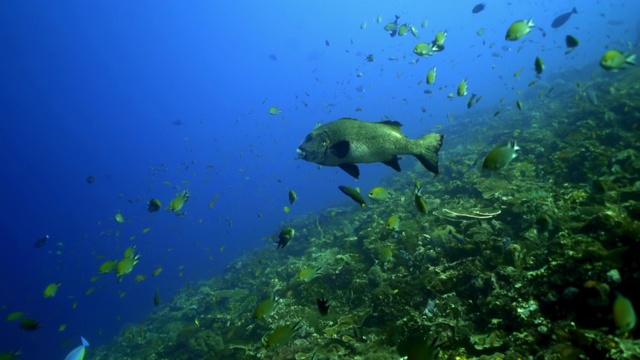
x: 519, y: 263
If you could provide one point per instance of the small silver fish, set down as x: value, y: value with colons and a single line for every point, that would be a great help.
x: 591, y: 95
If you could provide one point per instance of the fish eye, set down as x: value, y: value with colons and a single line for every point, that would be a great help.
x: 308, y: 138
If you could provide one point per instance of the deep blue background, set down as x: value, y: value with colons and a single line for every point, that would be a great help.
x: 93, y: 88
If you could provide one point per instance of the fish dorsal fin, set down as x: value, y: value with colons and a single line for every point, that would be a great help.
x: 392, y: 125
x: 341, y: 149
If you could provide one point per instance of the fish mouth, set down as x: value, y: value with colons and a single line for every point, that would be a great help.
x: 301, y: 153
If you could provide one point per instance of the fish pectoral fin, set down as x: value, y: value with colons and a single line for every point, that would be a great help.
x: 351, y: 169
x: 393, y: 163
x: 341, y: 149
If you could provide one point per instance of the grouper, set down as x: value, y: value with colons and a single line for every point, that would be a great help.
x: 347, y: 142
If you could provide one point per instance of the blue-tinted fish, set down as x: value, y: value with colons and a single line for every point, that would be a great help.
x: 392, y: 27
x: 285, y: 236
x: 479, y: 7
x: 354, y: 194
x: 78, y: 353
x: 562, y: 19
x: 591, y: 95
x: 572, y: 42
x: 40, y: 243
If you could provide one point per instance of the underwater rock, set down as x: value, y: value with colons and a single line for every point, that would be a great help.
x: 375, y: 276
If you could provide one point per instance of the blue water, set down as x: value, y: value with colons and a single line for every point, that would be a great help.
x: 94, y: 88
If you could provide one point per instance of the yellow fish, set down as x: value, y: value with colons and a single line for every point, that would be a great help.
x: 500, y: 157
x: 214, y: 200
x: 125, y: 266
x: 107, y: 267
x: 624, y: 316
x: 519, y: 29
x: 130, y: 251
x: 431, y: 76
x: 403, y: 30
x: 178, y: 202
x: 274, y: 111
x: 614, y: 60
x: 292, y: 197
x: 307, y: 274
x: 417, y: 198
x: 119, y: 218
x: 51, y: 290
x: 462, y: 88
x: 441, y: 36
x: 423, y: 49
x: 265, y: 308
x: 157, y: 271
x: 538, y: 65
x: 385, y: 253
x: 379, y: 194
x: 16, y: 315
x: 281, y: 335
x: 414, y: 31
x: 393, y: 223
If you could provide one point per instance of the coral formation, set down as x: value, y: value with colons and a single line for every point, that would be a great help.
x: 519, y: 263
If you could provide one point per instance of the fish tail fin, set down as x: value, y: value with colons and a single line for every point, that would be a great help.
x: 427, y: 151
x: 631, y: 59
x: 84, y: 341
